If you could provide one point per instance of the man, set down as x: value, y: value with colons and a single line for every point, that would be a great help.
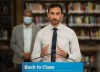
x: 22, y: 40
x: 56, y: 42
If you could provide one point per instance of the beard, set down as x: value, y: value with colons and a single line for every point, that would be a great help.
x: 55, y: 21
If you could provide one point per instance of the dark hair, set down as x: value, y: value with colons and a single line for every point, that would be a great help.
x: 27, y: 10
x: 55, y: 5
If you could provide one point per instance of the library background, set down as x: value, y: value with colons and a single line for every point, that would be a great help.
x: 83, y: 16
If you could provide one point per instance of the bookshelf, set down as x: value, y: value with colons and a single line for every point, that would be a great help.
x: 83, y: 16
x: 6, y: 21
x: 6, y: 25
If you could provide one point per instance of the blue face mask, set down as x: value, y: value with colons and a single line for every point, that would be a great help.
x: 27, y: 20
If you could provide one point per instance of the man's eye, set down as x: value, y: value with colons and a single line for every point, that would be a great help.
x: 57, y: 13
x: 52, y: 13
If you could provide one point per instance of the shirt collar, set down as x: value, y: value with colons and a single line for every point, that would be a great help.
x: 58, y: 27
x: 27, y: 27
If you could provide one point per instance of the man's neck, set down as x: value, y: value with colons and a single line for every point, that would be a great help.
x: 55, y: 25
x: 27, y: 25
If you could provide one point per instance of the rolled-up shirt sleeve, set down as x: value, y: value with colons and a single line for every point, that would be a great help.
x: 75, y: 54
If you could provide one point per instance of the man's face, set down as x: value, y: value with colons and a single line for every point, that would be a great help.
x: 55, y: 15
x: 27, y: 18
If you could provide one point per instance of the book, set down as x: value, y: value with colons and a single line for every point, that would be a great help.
x: 35, y: 7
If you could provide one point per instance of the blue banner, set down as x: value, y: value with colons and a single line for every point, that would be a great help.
x: 52, y: 67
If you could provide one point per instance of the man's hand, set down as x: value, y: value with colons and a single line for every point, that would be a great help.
x: 44, y: 50
x: 61, y: 52
x: 27, y: 55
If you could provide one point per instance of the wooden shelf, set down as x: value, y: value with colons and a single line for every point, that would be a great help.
x: 5, y: 14
x: 2, y: 40
x: 5, y: 27
x: 88, y: 38
x: 85, y: 14
x: 90, y: 49
x: 5, y: 0
x: 84, y: 25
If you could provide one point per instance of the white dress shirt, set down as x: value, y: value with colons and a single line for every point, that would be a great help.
x: 27, y: 38
x: 66, y: 39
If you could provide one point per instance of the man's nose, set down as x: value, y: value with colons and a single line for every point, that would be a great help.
x: 54, y: 16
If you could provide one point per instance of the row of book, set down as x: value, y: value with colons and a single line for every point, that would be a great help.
x: 43, y: 20
x: 88, y: 34
x: 40, y: 7
x: 40, y: 20
x: 4, y: 34
x: 82, y: 7
x: 84, y: 20
x: 72, y: 20
x: 5, y: 20
x: 89, y: 59
x: 5, y: 8
x: 77, y: 7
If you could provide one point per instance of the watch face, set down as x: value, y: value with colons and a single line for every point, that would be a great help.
x: 67, y: 56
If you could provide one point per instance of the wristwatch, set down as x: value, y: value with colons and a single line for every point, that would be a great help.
x: 67, y: 56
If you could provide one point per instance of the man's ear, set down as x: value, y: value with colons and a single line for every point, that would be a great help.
x: 62, y: 15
